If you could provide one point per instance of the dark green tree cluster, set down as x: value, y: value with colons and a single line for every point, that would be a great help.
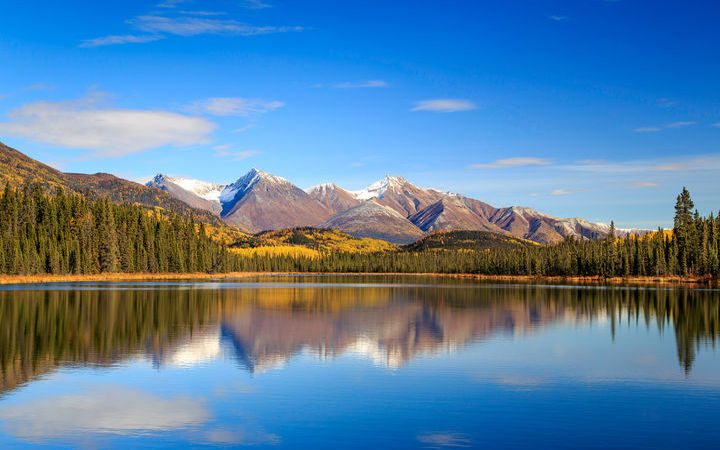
x: 71, y: 234
x: 693, y: 248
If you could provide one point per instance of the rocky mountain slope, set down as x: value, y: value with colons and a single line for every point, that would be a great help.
x: 17, y: 170
x: 372, y: 220
x: 333, y: 197
x: 260, y: 201
x: 182, y: 190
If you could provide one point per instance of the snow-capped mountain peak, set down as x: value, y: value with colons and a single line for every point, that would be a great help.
x: 246, y: 182
x: 320, y: 191
x: 204, y: 189
x: 380, y: 187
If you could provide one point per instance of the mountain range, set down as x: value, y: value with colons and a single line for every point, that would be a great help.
x: 392, y: 209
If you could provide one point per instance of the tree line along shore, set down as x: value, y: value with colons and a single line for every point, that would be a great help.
x: 68, y: 235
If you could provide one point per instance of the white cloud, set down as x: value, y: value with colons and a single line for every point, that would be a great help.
x: 591, y: 161
x: 679, y: 124
x: 566, y: 191
x: 109, y: 410
x: 672, y: 167
x: 362, y: 84
x: 646, y: 184
x: 670, y: 125
x: 83, y: 124
x: 558, y: 18
x: 41, y: 87
x: 120, y: 39
x: 234, y: 106
x: 170, y: 3
x: 188, y: 23
x: 203, y: 13
x: 223, y: 152
x: 696, y: 163
x: 191, y: 26
x: 245, y: 128
x: 444, y: 105
x: 512, y: 162
x: 254, y: 4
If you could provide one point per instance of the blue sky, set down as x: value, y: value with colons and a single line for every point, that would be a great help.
x: 593, y: 108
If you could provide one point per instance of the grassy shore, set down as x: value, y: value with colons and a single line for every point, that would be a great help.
x: 105, y: 277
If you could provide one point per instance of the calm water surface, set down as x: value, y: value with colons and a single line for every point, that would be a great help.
x: 358, y: 362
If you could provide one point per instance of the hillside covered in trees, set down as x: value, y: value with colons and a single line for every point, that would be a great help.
x: 67, y: 233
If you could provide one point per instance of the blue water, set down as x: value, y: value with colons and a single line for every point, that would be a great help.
x: 350, y: 362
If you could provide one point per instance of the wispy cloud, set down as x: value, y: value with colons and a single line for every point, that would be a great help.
x: 121, y: 39
x: 444, y: 105
x: 244, y: 128
x: 669, y: 125
x: 41, y: 87
x: 665, y: 102
x: 690, y: 164
x: 558, y: 18
x: 591, y: 161
x: 717, y: 124
x: 646, y: 184
x: 157, y: 26
x: 192, y: 26
x: 512, y: 162
x: 110, y: 132
x: 672, y: 167
x: 361, y: 84
x: 203, y: 13
x: 254, y: 4
x: 680, y: 124
x: 222, y: 151
x: 233, y: 106
x: 170, y: 3
x: 566, y: 191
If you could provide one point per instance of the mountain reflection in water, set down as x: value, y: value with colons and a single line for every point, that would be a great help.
x: 263, y: 327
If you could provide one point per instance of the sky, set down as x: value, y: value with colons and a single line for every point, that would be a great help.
x: 602, y: 109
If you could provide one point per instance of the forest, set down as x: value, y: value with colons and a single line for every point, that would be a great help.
x: 67, y: 233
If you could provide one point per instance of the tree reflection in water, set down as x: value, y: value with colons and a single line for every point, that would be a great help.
x: 263, y: 326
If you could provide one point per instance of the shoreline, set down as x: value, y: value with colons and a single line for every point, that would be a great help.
x: 692, y: 281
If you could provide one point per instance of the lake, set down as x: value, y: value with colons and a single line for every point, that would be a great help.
x: 358, y: 362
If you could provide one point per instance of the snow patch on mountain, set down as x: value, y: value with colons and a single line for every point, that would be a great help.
x: 203, y: 189
x: 321, y: 191
x: 246, y: 182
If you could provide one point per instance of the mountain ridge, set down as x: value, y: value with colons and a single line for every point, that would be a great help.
x: 423, y: 210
